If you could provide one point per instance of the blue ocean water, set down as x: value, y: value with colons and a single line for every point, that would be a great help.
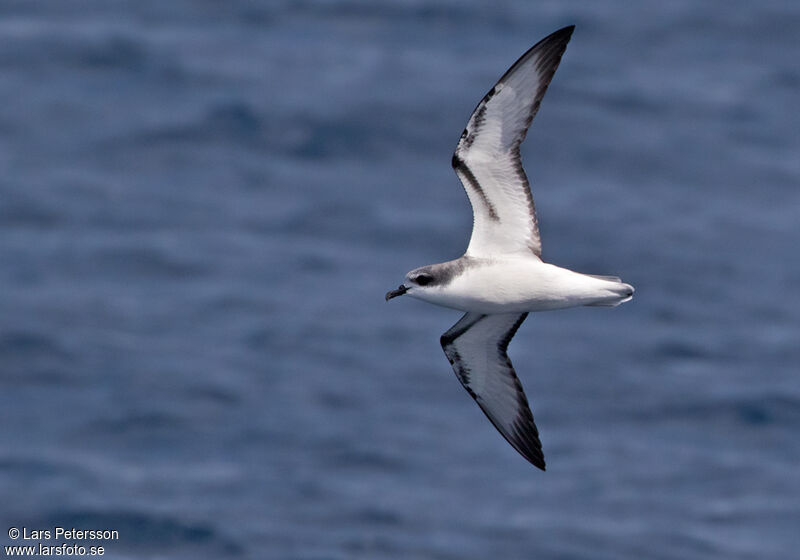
x: 202, y: 205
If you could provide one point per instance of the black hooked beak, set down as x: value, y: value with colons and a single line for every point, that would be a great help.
x: 398, y: 292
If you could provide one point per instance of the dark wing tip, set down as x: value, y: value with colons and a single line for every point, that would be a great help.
x: 536, y: 460
x: 523, y: 435
x: 555, y: 44
x: 525, y: 439
x: 562, y: 35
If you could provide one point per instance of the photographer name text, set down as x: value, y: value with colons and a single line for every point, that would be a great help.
x: 65, y: 534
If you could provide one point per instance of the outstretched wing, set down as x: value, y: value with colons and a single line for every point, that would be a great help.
x: 487, y: 158
x: 476, y: 347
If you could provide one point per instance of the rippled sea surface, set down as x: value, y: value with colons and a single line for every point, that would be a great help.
x: 202, y: 205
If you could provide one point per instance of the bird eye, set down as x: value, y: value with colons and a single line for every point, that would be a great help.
x: 423, y: 279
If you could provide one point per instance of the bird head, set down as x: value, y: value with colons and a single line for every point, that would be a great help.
x: 416, y: 282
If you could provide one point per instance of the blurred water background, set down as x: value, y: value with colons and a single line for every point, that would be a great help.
x: 202, y: 205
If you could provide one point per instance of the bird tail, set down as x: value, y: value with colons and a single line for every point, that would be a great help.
x: 619, y: 292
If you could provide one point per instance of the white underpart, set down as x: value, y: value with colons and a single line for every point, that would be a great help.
x: 520, y: 284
